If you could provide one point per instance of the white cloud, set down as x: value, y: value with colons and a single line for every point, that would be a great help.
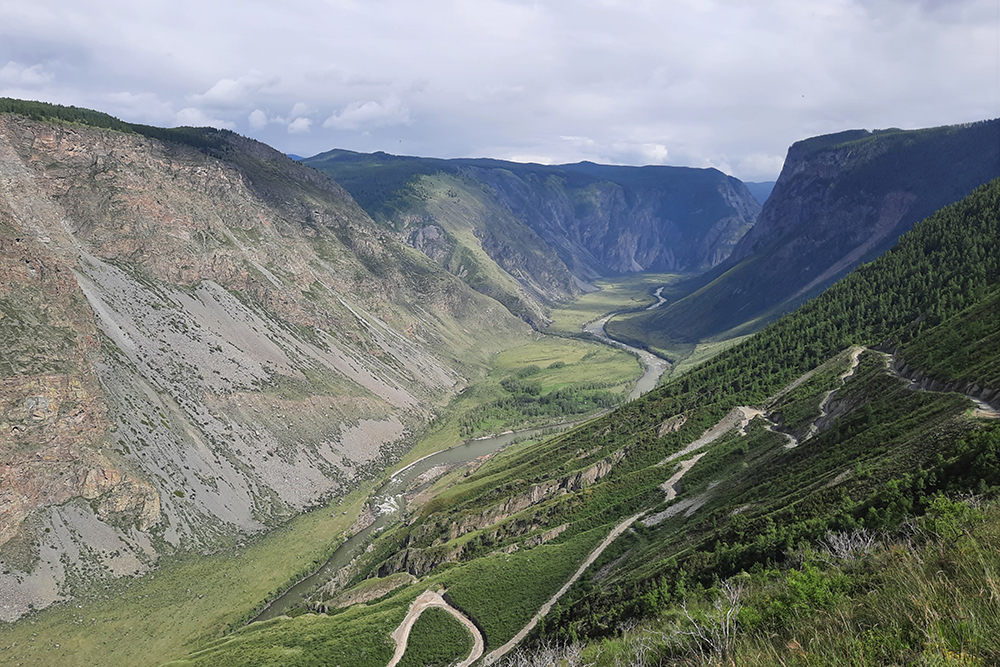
x: 236, y: 92
x: 301, y: 109
x: 299, y: 126
x: 357, y: 115
x: 694, y: 82
x: 190, y: 116
x: 257, y: 119
x: 16, y: 74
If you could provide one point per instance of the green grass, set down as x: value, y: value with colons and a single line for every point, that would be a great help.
x: 182, y: 605
x: 437, y: 639
x: 358, y: 636
x: 562, y: 364
x: 926, y: 596
x: 695, y: 356
x: 501, y: 593
x: 628, y: 292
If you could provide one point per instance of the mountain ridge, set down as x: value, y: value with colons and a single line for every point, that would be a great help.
x: 841, y: 200
x: 572, y: 223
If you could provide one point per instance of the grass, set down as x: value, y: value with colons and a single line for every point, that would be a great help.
x: 562, y: 364
x: 437, y: 639
x: 628, y: 292
x: 185, y: 603
x: 701, y: 352
x: 499, y: 593
x: 927, y: 595
x: 358, y: 637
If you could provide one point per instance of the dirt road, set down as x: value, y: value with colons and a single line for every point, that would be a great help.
x: 496, y: 654
x: 426, y: 600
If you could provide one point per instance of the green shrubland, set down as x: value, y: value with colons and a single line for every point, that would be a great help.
x: 437, y: 639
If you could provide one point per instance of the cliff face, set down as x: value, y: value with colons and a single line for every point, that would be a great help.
x: 540, y: 233
x: 197, y: 344
x: 840, y: 200
x: 602, y: 220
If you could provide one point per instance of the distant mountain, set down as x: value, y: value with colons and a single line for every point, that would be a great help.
x: 841, y: 199
x: 760, y: 190
x: 297, y: 158
x: 531, y: 235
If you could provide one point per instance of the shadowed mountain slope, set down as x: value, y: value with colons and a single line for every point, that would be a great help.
x: 841, y: 200
x: 549, y: 228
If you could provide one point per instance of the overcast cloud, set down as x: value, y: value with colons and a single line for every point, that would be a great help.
x: 685, y: 82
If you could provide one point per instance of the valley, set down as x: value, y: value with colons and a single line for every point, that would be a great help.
x: 251, y: 416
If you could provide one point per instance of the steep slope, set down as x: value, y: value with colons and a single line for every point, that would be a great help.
x: 550, y: 228
x: 200, y: 338
x: 760, y: 190
x: 840, y: 200
x: 802, y: 429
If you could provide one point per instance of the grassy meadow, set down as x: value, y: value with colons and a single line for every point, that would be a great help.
x: 186, y: 602
x: 579, y: 369
x: 629, y: 292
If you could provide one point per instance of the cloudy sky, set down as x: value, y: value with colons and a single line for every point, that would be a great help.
x: 703, y: 83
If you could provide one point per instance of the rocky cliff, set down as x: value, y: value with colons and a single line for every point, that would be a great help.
x: 840, y: 200
x: 535, y: 235
x: 200, y: 338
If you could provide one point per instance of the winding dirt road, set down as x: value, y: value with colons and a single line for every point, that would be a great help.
x: 983, y: 409
x: 737, y: 418
x: 496, y: 654
x: 425, y: 601
x: 825, y: 403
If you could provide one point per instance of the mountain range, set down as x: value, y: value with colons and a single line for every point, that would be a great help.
x: 532, y: 236
x: 841, y: 200
x: 211, y: 352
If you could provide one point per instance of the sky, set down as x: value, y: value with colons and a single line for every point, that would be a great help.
x: 702, y: 83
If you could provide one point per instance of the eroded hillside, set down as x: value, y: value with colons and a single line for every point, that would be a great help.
x: 199, y: 339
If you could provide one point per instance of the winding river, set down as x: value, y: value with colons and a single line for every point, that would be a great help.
x: 389, y: 503
x: 388, y: 499
x: 655, y: 366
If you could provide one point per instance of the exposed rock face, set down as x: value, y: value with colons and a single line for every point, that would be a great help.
x: 426, y: 545
x: 671, y: 425
x: 197, y: 343
x: 533, y: 235
x: 840, y: 200
x: 603, y: 220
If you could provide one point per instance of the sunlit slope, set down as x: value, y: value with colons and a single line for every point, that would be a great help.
x: 868, y: 449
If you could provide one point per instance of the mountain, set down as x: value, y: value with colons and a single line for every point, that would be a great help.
x: 783, y: 485
x: 760, y: 190
x: 200, y: 339
x: 533, y: 235
x: 841, y: 200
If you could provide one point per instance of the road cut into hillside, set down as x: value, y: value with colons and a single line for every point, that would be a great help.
x: 425, y: 601
x: 983, y: 409
x: 496, y: 654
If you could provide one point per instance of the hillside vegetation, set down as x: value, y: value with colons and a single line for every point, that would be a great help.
x: 881, y: 453
x: 533, y: 235
x: 841, y: 200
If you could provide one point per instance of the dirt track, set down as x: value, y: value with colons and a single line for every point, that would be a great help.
x: 425, y: 601
x: 496, y: 654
